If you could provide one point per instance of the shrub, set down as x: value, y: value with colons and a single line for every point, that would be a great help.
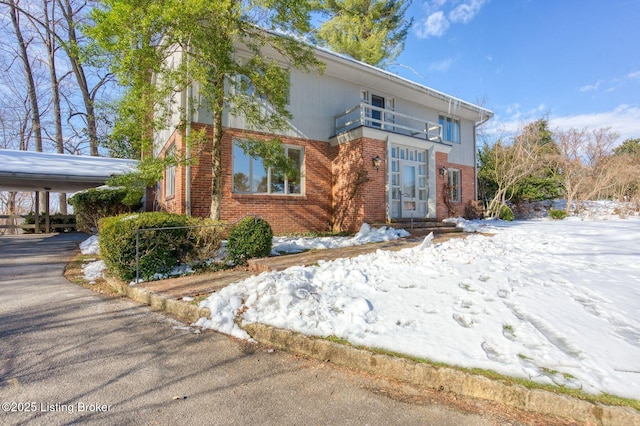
x: 557, y: 214
x: 206, y: 235
x: 95, y: 203
x: 159, y: 251
x: 506, y: 213
x: 473, y: 210
x: 251, y: 238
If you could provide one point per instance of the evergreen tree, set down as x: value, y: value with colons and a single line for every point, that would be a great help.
x: 371, y: 31
x: 629, y: 147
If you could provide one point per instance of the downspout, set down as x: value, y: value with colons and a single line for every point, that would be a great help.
x: 475, y: 153
x: 187, y: 133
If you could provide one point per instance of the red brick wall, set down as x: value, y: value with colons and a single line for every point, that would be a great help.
x: 358, y: 189
x: 342, y: 188
x: 174, y: 203
x: 467, y: 194
x: 285, y: 213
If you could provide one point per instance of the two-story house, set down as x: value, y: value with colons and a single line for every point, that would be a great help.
x: 370, y: 146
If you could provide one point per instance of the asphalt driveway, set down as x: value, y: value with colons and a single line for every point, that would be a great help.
x: 69, y: 355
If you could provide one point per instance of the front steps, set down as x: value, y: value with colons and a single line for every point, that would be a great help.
x: 421, y: 227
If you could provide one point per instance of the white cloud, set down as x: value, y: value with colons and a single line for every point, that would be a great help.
x: 434, y: 26
x: 437, y: 23
x: 433, y: 5
x: 442, y: 66
x: 466, y: 11
x: 623, y: 119
x: 634, y: 75
x: 591, y: 87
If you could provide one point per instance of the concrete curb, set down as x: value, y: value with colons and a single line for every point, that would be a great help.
x: 446, y: 379
x: 158, y: 302
x: 405, y: 370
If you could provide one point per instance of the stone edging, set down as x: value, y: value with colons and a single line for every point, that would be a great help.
x: 448, y: 379
x: 158, y: 302
x: 408, y: 371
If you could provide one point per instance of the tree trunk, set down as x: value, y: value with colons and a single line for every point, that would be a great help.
x: 31, y: 85
x: 78, y: 71
x: 11, y: 211
x: 216, y: 164
x: 50, y: 43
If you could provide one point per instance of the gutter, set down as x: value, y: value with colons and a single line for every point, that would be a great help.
x: 475, y: 153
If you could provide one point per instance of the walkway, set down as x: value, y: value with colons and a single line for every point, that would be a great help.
x: 204, y: 284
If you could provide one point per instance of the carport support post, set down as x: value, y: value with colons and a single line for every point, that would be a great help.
x: 36, y: 225
x: 47, y: 218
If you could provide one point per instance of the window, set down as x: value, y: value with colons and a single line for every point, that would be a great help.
x: 250, y: 176
x: 454, y: 185
x: 376, y: 114
x: 245, y: 86
x: 450, y: 129
x: 170, y: 175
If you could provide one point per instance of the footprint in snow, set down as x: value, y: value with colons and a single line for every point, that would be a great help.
x: 463, y: 320
x: 494, y: 354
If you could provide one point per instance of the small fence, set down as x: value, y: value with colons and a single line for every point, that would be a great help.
x: 56, y: 223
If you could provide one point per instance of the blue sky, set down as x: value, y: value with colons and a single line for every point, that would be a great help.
x: 577, y: 61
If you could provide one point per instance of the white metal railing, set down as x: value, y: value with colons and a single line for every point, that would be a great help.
x: 371, y: 116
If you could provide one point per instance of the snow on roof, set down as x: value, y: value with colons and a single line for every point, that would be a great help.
x: 37, y: 171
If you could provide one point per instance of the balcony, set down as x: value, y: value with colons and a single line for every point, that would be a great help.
x: 384, y: 119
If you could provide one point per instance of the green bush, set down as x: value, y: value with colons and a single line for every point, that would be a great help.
x: 95, y: 203
x: 206, y: 235
x: 506, y: 213
x: 159, y: 250
x: 251, y: 238
x: 557, y: 214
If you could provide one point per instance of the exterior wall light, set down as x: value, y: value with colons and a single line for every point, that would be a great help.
x: 377, y: 162
x: 443, y: 171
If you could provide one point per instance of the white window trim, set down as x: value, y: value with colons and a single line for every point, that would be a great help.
x: 457, y: 196
x: 453, y: 120
x: 269, y: 176
x: 170, y: 176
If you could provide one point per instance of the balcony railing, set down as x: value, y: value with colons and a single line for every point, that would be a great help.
x: 384, y: 119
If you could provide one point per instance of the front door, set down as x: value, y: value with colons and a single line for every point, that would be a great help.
x: 408, y: 182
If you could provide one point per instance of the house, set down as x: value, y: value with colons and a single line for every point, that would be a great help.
x: 370, y: 146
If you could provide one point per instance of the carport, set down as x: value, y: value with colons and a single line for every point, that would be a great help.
x: 28, y: 171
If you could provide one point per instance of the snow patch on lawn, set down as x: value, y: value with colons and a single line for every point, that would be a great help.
x: 551, y: 301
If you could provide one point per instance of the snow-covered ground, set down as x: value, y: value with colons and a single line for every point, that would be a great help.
x: 556, y: 302
x: 551, y: 301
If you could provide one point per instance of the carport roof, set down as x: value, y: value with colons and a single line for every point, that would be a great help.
x: 39, y: 171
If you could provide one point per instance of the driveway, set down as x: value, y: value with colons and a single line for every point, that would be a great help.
x: 69, y: 355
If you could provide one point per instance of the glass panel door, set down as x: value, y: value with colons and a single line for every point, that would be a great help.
x: 409, y: 190
x: 408, y: 179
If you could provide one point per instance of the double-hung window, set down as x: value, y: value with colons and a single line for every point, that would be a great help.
x: 454, y: 185
x: 170, y: 175
x: 450, y: 129
x: 250, y: 176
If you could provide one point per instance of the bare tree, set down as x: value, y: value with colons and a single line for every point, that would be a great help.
x: 583, y: 164
x: 506, y: 164
x: 14, y: 13
x: 16, y: 132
